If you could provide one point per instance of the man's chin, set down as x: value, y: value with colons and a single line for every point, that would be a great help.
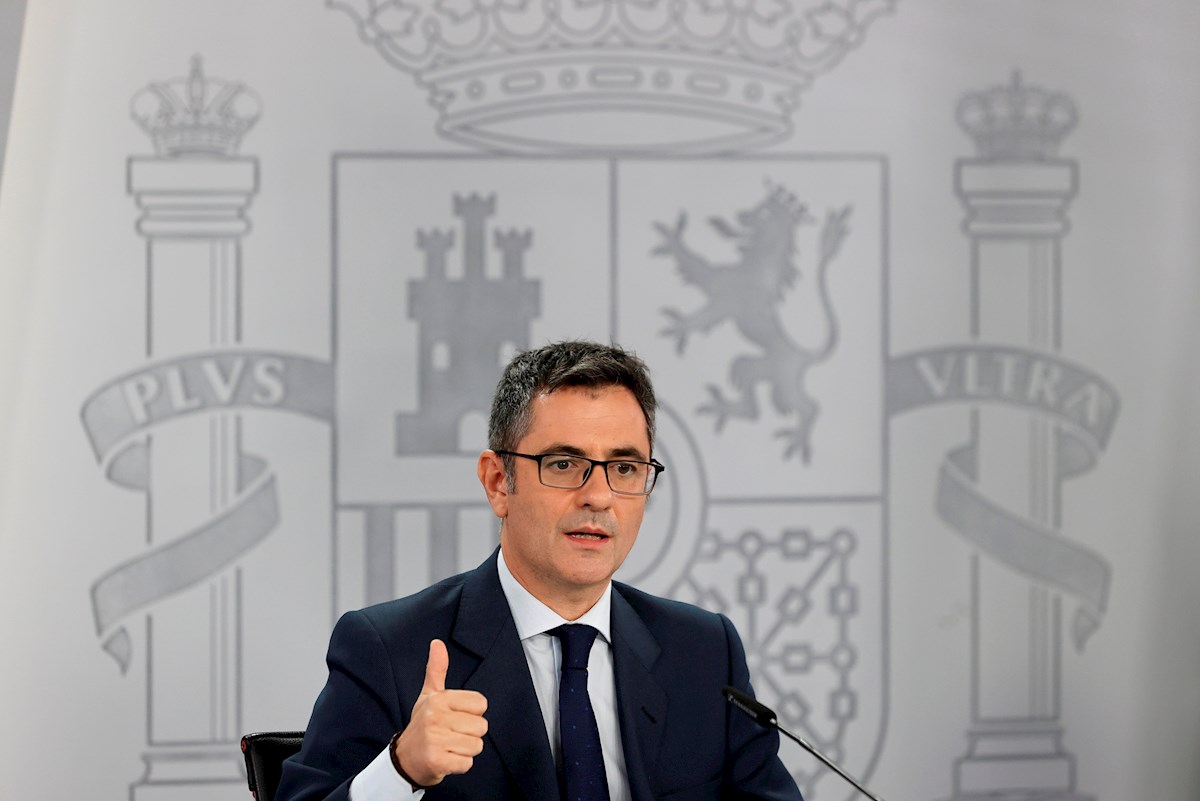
x: 589, y: 568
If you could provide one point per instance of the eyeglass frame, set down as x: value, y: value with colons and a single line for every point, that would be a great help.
x: 658, y: 467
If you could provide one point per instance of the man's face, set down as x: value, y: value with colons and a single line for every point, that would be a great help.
x: 564, y: 545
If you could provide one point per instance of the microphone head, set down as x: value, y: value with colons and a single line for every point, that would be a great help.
x: 762, y: 714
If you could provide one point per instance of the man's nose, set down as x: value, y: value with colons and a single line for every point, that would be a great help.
x: 596, y: 491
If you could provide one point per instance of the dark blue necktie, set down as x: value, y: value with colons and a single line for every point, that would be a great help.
x: 582, y: 761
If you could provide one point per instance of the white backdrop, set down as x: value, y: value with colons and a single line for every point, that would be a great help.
x: 260, y: 263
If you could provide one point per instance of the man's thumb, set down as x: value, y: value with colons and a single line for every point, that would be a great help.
x: 436, y: 667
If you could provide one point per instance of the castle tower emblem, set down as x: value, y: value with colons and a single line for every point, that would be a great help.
x: 467, y: 327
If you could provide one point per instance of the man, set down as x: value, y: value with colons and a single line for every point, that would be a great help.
x: 478, y: 688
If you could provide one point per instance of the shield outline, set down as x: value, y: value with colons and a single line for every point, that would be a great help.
x: 466, y: 501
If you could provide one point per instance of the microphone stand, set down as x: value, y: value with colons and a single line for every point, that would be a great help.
x: 765, y: 717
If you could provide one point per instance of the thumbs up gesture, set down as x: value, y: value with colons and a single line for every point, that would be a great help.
x: 446, y: 728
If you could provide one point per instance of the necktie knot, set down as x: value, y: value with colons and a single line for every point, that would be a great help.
x: 577, y: 639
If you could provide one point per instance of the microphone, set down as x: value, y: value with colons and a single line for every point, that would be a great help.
x: 766, y: 718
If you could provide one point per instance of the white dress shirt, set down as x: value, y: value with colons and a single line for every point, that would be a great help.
x: 543, y: 652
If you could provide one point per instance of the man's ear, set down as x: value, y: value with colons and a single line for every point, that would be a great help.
x: 495, y: 482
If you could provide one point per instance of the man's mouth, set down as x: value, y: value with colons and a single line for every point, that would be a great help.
x: 592, y: 536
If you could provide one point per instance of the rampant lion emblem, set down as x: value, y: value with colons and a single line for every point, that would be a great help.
x: 748, y: 293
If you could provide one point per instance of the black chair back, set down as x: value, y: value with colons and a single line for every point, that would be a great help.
x: 265, y: 752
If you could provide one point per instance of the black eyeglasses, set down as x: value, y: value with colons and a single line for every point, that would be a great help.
x: 564, y: 471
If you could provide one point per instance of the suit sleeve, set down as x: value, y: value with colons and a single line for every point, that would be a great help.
x: 353, y: 719
x: 753, y: 769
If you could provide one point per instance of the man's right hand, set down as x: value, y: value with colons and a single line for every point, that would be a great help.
x: 446, y: 728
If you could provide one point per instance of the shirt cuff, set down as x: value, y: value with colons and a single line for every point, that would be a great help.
x: 379, y: 781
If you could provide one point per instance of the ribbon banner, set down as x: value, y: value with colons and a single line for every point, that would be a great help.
x: 1082, y: 404
x: 119, y: 416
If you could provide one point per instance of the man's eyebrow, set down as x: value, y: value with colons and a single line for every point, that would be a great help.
x: 624, y: 452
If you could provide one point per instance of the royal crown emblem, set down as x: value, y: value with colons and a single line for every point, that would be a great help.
x: 196, y: 115
x: 1016, y: 121
x: 614, y: 76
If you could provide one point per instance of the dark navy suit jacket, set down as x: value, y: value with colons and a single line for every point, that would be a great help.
x: 681, y: 740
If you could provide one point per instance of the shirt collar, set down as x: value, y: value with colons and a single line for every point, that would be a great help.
x: 533, y: 617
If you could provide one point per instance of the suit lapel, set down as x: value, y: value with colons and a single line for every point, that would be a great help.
x: 642, y: 703
x: 515, y: 728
